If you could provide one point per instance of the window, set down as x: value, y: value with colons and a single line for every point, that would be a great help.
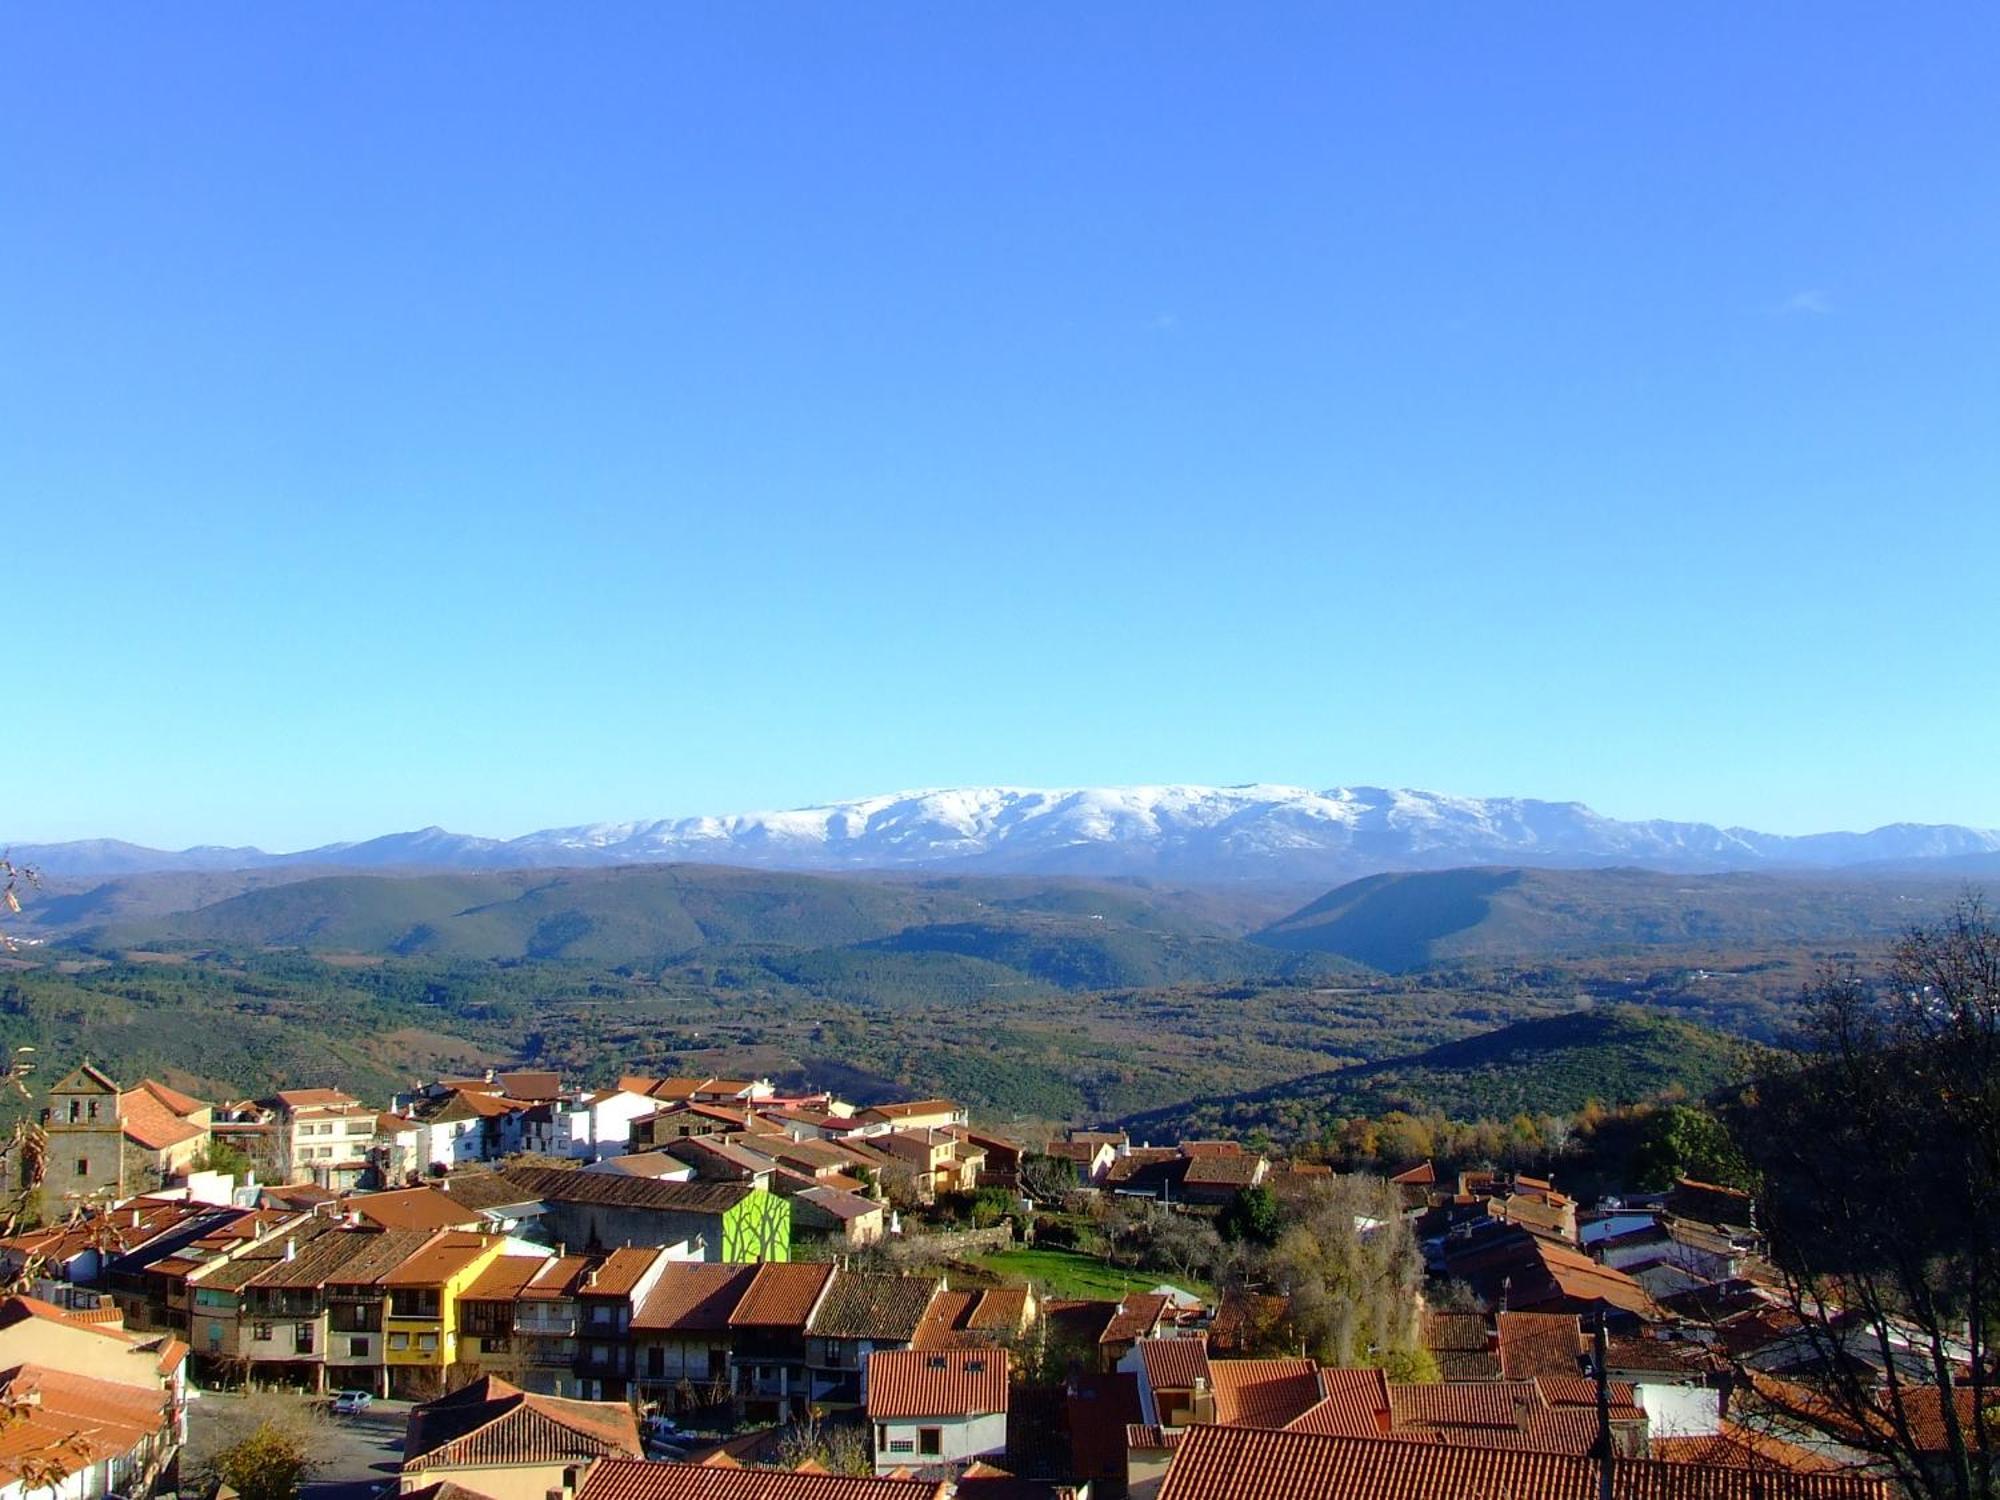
x: 930, y: 1441
x: 302, y: 1338
x: 83, y: 1166
x: 90, y: 1111
x: 357, y: 1348
x: 75, y: 1110
x: 262, y: 1333
x: 399, y: 1341
x: 901, y: 1445
x: 427, y: 1342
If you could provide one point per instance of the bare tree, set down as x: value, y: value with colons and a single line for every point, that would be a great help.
x: 1876, y: 1141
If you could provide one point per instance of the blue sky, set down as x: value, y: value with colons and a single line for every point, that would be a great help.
x: 504, y: 415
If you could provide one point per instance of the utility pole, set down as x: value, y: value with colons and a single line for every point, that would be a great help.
x: 1601, y: 1352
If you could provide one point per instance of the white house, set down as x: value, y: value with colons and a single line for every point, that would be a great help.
x: 936, y: 1406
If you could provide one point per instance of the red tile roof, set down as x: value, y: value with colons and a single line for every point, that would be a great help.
x: 620, y: 1271
x: 492, y: 1422
x: 440, y: 1260
x: 622, y: 1479
x: 151, y: 1123
x: 782, y: 1294
x: 1353, y: 1403
x: 173, y: 1099
x: 1735, y: 1447
x: 912, y: 1383
x: 1173, y: 1364
x: 413, y: 1208
x: 1233, y: 1463
x: 1533, y: 1344
x: 694, y: 1298
x: 1263, y: 1392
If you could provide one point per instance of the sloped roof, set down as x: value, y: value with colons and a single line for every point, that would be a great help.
x: 440, y: 1259
x: 1534, y: 1344
x: 492, y: 1422
x: 313, y: 1098
x: 620, y: 1271
x: 557, y: 1185
x: 1263, y: 1392
x: 868, y: 1305
x: 623, y: 1479
x: 1229, y: 1463
x: 694, y: 1298
x: 1353, y: 1403
x: 1173, y: 1364
x: 173, y: 1099
x: 343, y: 1257
x: 413, y: 1208
x: 505, y: 1279
x: 1736, y: 1447
x: 782, y: 1294
x: 73, y: 1419
x: 151, y: 1123
x: 911, y: 1383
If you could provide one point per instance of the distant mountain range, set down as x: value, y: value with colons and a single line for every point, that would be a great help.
x: 1184, y: 833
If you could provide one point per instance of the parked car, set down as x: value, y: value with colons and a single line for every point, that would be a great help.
x: 352, y: 1403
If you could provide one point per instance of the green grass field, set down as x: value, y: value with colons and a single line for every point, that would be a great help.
x: 1065, y: 1273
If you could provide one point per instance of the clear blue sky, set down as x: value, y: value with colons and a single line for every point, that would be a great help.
x: 505, y: 415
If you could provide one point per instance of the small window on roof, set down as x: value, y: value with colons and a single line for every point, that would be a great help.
x: 937, y: 1362
x: 975, y: 1367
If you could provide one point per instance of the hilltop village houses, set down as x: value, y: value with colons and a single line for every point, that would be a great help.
x: 559, y: 1276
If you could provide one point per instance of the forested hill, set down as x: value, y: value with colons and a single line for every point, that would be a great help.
x: 954, y: 934
x: 1615, y: 1054
x: 1398, y: 923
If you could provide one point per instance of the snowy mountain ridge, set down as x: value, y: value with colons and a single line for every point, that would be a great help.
x: 1256, y: 831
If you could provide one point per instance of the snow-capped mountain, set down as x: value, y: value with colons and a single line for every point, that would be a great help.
x: 1177, y: 832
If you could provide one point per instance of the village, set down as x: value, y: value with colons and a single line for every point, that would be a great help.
x: 704, y: 1287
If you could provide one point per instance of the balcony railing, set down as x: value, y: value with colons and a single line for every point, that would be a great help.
x: 545, y: 1325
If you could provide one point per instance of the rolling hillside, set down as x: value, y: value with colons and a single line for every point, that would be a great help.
x: 1398, y: 923
x: 1614, y: 1054
x: 1056, y: 933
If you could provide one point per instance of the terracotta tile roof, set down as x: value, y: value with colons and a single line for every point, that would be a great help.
x: 1421, y: 1175
x: 690, y: 1298
x: 505, y: 1279
x: 558, y: 1185
x: 1231, y: 1463
x: 296, y: 1099
x: 946, y: 1321
x: 1490, y: 1403
x: 912, y: 1383
x: 1173, y: 1364
x: 1135, y: 1316
x: 838, y: 1202
x: 1533, y: 1344
x: 413, y: 1208
x: 558, y: 1279
x: 1192, y: 1149
x: 864, y: 1305
x: 1263, y: 1392
x: 1353, y: 1403
x: 342, y: 1257
x: 622, y: 1479
x: 492, y: 1422
x: 912, y: 1107
x: 1000, y: 1307
x: 1223, y: 1171
x: 442, y: 1258
x: 74, y: 1419
x: 1735, y: 1447
x: 151, y: 1123
x: 783, y: 1294
x: 173, y: 1099
x: 620, y: 1271
x: 530, y: 1083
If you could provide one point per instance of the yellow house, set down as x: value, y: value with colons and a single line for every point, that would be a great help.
x: 420, y: 1320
